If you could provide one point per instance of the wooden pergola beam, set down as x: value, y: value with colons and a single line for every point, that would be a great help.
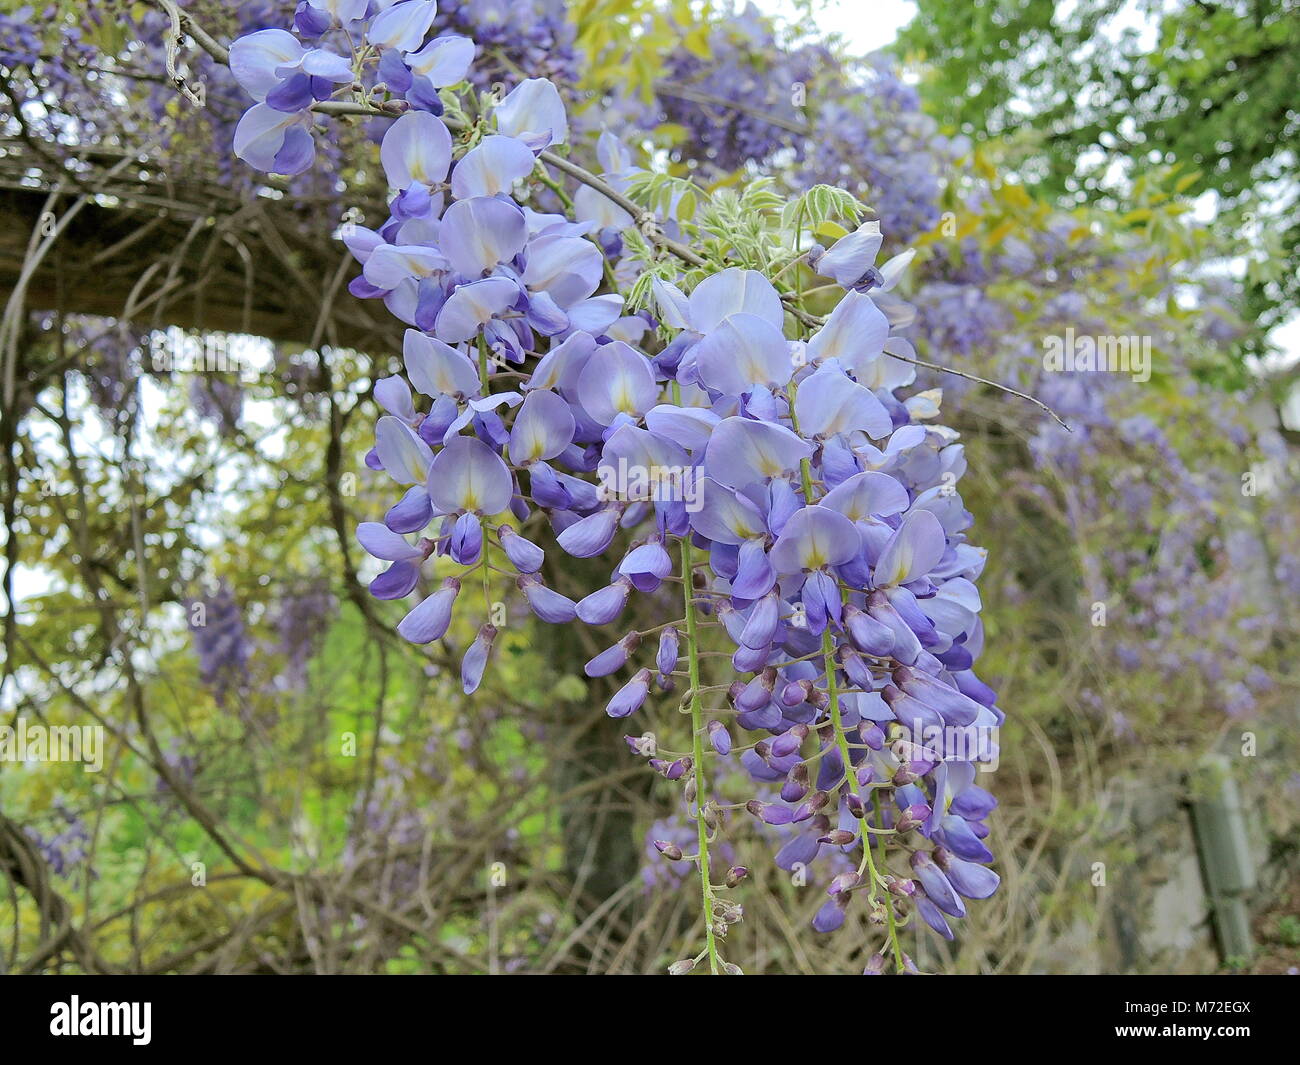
x: 216, y: 266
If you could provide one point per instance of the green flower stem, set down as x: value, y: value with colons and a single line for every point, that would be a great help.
x: 545, y: 178
x: 697, y: 736
x: 483, y: 364
x: 805, y: 465
x: 851, y: 787
x: 889, y: 906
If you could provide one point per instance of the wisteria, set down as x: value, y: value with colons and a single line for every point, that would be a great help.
x: 302, y: 619
x: 804, y: 509
x: 866, y: 130
x: 737, y: 96
x: 216, y: 623
x: 584, y: 568
x: 63, y: 847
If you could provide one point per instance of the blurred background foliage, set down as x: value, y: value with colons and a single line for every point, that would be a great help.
x: 289, y: 788
x: 1091, y: 96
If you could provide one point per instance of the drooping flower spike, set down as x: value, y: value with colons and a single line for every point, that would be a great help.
x: 772, y: 482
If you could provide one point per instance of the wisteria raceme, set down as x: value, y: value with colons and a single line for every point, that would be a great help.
x: 535, y: 36
x: 869, y: 134
x: 302, y: 618
x: 872, y: 138
x: 1192, y: 609
x: 825, y: 117
x: 221, y: 640
x: 65, y: 849
x: 51, y: 75
x: 113, y: 350
x: 737, y: 102
x: 800, y: 510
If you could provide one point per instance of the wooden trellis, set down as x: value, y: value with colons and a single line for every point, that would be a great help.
x: 159, y: 252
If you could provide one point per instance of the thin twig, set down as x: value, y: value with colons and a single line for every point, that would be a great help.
x: 983, y: 381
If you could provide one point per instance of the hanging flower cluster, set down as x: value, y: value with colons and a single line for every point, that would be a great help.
x: 221, y: 641
x: 806, y: 515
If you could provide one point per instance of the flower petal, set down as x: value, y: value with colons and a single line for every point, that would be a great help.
x: 469, y: 475
x: 415, y: 148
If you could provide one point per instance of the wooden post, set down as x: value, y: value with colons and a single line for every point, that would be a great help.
x: 1227, y: 866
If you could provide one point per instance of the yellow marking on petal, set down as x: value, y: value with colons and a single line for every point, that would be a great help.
x: 624, y: 402
x: 535, y: 445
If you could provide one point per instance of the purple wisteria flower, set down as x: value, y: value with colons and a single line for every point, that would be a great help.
x: 810, y: 510
x: 221, y: 641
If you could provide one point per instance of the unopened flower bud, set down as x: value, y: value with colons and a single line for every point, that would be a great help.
x: 666, y: 656
x: 612, y: 659
x: 630, y: 698
x: 719, y: 737
x: 839, y: 838
x: 671, y: 770
x: 769, y: 812
x: 868, y: 635
x: 476, y: 658
x: 912, y: 818
x: 815, y: 802
x: 844, y: 882
x: 728, y: 911
x: 758, y: 692
x: 796, y: 784
x: 669, y: 850
x: 749, y: 659
x: 524, y: 555
x: 763, y: 620
x: 789, y: 742
x: 856, y: 668
x: 796, y: 692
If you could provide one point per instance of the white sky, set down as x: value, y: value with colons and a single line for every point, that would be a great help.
x: 865, y: 24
